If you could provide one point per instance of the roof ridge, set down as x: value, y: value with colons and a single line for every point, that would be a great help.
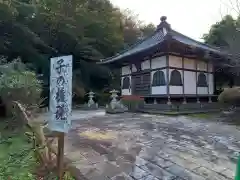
x: 211, y: 46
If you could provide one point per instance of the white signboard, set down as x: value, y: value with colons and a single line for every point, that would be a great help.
x: 60, y: 93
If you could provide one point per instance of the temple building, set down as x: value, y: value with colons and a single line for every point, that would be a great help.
x: 168, y: 67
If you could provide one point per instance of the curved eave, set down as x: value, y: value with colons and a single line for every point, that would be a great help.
x: 131, y: 57
x: 157, y: 48
x: 153, y: 42
x: 200, y: 51
x: 193, y: 43
x: 142, y: 46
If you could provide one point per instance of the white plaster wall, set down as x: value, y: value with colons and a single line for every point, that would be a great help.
x: 190, y: 82
x: 134, y: 69
x: 159, y: 62
x: 145, y: 64
x: 211, y: 83
x: 126, y: 91
x: 189, y: 63
x: 210, y: 67
x: 175, y: 89
x: 126, y: 70
x: 175, y: 61
x: 201, y: 65
x: 202, y: 90
x: 159, y: 89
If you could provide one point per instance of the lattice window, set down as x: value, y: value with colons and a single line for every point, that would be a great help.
x: 176, y: 78
x: 159, y: 79
x: 126, y: 83
x: 202, y: 80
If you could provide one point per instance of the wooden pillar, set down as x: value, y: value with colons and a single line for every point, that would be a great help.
x: 60, y: 156
x: 183, y: 87
x: 196, y: 77
x: 208, y: 81
x: 167, y: 70
x: 209, y: 99
x: 130, y: 77
x: 196, y: 68
x: 208, y: 77
x: 155, y: 101
x: 150, y: 62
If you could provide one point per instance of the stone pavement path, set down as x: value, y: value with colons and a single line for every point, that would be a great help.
x: 76, y: 115
x: 150, y: 147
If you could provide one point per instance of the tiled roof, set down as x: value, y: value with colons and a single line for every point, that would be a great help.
x: 151, y: 41
x: 191, y: 42
x: 157, y: 38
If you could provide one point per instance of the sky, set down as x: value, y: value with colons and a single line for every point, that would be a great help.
x: 189, y: 17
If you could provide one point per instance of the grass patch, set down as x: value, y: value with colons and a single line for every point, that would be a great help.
x: 16, y: 156
x: 17, y: 160
x: 203, y: 115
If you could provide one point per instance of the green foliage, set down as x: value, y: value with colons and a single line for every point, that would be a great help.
x: 15, y: 152
x: 17, y: 157
x: 87, y: 29
x: 133, y: 104
x: 68, y: 176
x: 16, y: 78
x: 133, y: 29
x: 203, y: 115
x: 220, y: 31
x: 19, y: 84
x: 230, y: 96
x: 103, y: 99
x: 226, y: 34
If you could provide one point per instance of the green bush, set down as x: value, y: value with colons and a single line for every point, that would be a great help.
x: 133, y: 104
x: 17, y: 160
x: 230, y: 96
x: 102, y: 99
x: 19, y: 84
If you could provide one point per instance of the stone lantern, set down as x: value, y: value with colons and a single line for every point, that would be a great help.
x: 115, y: 105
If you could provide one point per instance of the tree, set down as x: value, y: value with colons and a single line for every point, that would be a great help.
x: 147, y: 29
x: 19, y: 84
x: 226, y: 34
x: 90, y: 30
x: 220, y: 31
x: 133, y: 29
x: 36, y: 31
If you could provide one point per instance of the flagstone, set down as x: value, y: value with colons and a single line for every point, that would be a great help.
x: 145, y: 147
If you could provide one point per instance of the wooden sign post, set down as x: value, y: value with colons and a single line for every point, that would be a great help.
x: 60, y: 103
x: 60, y: 156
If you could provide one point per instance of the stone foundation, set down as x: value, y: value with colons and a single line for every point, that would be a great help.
x: 184, y: 107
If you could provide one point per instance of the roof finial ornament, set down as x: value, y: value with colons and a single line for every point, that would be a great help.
x: 164, y: 24
x: 163, y: 18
